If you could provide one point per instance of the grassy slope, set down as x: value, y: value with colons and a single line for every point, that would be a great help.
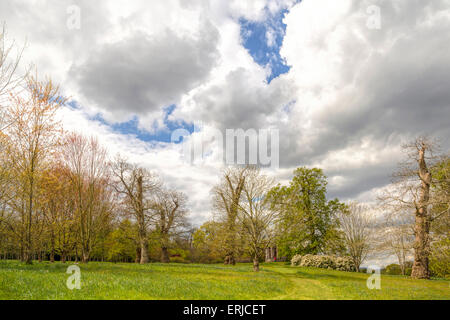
x: 157, y: 281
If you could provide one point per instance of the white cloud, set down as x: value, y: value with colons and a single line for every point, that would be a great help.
x: 352, y: 95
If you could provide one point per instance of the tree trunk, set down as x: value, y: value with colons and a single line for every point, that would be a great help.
x: 28, y: 246
x: 144, y: 251
x: 255, y: 264
x: 22, y: 253
x: 52, y: 249
x: 141, y: 221
x: 230, y: 244
x: 138, y: 255
x: 165, y: 255
x: 230, y: 260
x: 421, y: 249
x: 85, y: 257
x: 422, y: 224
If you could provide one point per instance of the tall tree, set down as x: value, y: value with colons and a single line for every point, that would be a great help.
x: 57, y: 205
x: 226, y: 198
x: 308, y: 222
x: 257, y: 215
x: 170, y: 212
x: 411, y: 191
x: 135, y: 185
x: 208, y: 241
x: 88, y: 171
x: 356, y: 223
x: 34, y: 135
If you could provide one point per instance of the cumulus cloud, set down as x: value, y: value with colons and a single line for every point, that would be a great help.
x: 143, y: 74
x: 359, y: 86
x: 352, y: 96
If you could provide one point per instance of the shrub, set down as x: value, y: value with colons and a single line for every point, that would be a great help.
x: 324, y: 262
x: 296, y: 260
x: 393, y: 269
x: 344, y: 264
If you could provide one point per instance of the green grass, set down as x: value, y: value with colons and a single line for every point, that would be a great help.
x: 192, y: 282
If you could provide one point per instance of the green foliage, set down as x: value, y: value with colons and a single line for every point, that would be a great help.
x: 395, y: 269
x: 179, y: 255
x: 440, y: 259
x: 441, y: 195
x: 308, y: 224
x: 440, y: 249
x: 120, y: 244
x: 208, y: 242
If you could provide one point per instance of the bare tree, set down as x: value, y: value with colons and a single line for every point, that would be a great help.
x: 357, y: 226
x: 170, y: 212
x: 399, y: 241
x: 88, y: 171
x: 226, y: 198
x: 10, y: 80
x: 135, y: 185
x: 412, y: 192
x: 257, y: 215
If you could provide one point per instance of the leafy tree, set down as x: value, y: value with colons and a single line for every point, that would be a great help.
x: 120, y: 243
x: 440, y: 258
x: 440, y: 190
x: 33, y: 135
x: 307, y: 223
x: 440, y: 246
x: 208, y: 242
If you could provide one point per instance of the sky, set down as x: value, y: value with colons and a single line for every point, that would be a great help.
x: 345, y: 82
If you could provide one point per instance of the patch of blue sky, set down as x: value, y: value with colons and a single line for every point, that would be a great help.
x: 263, y: 40
x: 131, y: 127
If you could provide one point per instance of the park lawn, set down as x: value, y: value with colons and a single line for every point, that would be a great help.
x: 42, y: 281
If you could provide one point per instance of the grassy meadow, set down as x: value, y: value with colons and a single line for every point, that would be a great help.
x: 43, y: 281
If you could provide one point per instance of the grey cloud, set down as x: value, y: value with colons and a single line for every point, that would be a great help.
x: 364, y: 179
x: 145, y: 73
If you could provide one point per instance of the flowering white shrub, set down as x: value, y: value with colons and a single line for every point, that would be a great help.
x: 344, y: 264
x: 324, y: 262
x: 295, y: 261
